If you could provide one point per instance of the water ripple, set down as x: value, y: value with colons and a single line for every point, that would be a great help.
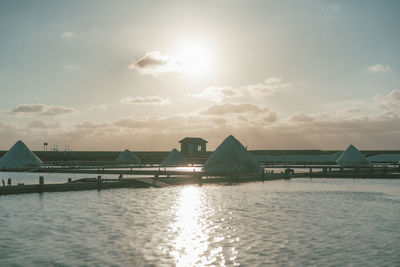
x: 293, y: 223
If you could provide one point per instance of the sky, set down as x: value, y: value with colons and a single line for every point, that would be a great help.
x: 142, y: 75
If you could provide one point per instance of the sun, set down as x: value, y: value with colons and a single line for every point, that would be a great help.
x: 195, y: 59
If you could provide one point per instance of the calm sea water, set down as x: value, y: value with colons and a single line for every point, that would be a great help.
x: 320, y: 222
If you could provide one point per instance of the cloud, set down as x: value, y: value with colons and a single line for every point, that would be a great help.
x: 98, y: 107
x: 40, y: 109
x: 388, y: 115
x: 154, y: 63
x: 390, y: 102
x: 56, y: 110
x: 28, y: 108
x: 230, y: 108
x: 352, y: 110
x: 6, y: 126
x: 271, y: 117
x: 40, y: 124
x: 343, y: 104
x: 92, y: 124
x: 301, y: 117
x: 347, y: 106
x: 259, y: 129
x: 218, y: 93
x: 148, y: 100
x: 394, y: 95
x: 379, y: 68
x: 266, y: 88
x: 67, y: 35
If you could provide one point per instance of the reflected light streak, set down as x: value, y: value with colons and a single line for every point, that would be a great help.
x: 191, y: 230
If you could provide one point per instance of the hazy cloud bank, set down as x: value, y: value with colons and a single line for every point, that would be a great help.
x: 40, y: 109
x: 148, y: 100
x: 257, y: 126
x: 219, y: 93
x: 390, y: 102
x: 299, y: 131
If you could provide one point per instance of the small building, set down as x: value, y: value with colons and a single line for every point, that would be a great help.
x: 193, y: 146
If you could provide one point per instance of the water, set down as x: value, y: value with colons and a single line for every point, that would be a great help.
x: 320, y: 222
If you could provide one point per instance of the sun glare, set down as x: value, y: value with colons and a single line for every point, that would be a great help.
x: 195, y: 59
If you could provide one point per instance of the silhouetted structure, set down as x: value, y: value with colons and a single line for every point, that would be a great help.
x: 193, y: 146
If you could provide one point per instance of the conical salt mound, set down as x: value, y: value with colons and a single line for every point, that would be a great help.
x: 127, y: 157
x: 174, y: 158
x: 231, y: 156
x: 19, y: 157
x: 352, y: 157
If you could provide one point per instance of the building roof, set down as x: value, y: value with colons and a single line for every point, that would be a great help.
x: 193, y: 140
x: 352, y: 157
x: 231, y: 156
x: 127, y: 157
x: 19, y: 157
x: 174, y: 158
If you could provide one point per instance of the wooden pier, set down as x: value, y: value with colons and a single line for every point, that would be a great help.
x: 165, y: 178
x: 159, y: 179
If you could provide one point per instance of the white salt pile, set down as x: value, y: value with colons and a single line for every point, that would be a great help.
x: 232, y: 156
x: 127, y: 157
x: 352, y: 157
x: 299, y: 159
x: 174, y: 158
x: 384, y: 158
x: 19, y: 157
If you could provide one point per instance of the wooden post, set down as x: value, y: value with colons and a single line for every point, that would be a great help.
x: 200, y: 179
x: 9, y: 181
x: 69, y: 180
x: 99, y: 182
x: 41, y: 180
x: 155, y: 179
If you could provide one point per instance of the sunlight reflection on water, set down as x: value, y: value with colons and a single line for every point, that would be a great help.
x: 190, y: 228
x: 191, y: 231
x: 301, y: 222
